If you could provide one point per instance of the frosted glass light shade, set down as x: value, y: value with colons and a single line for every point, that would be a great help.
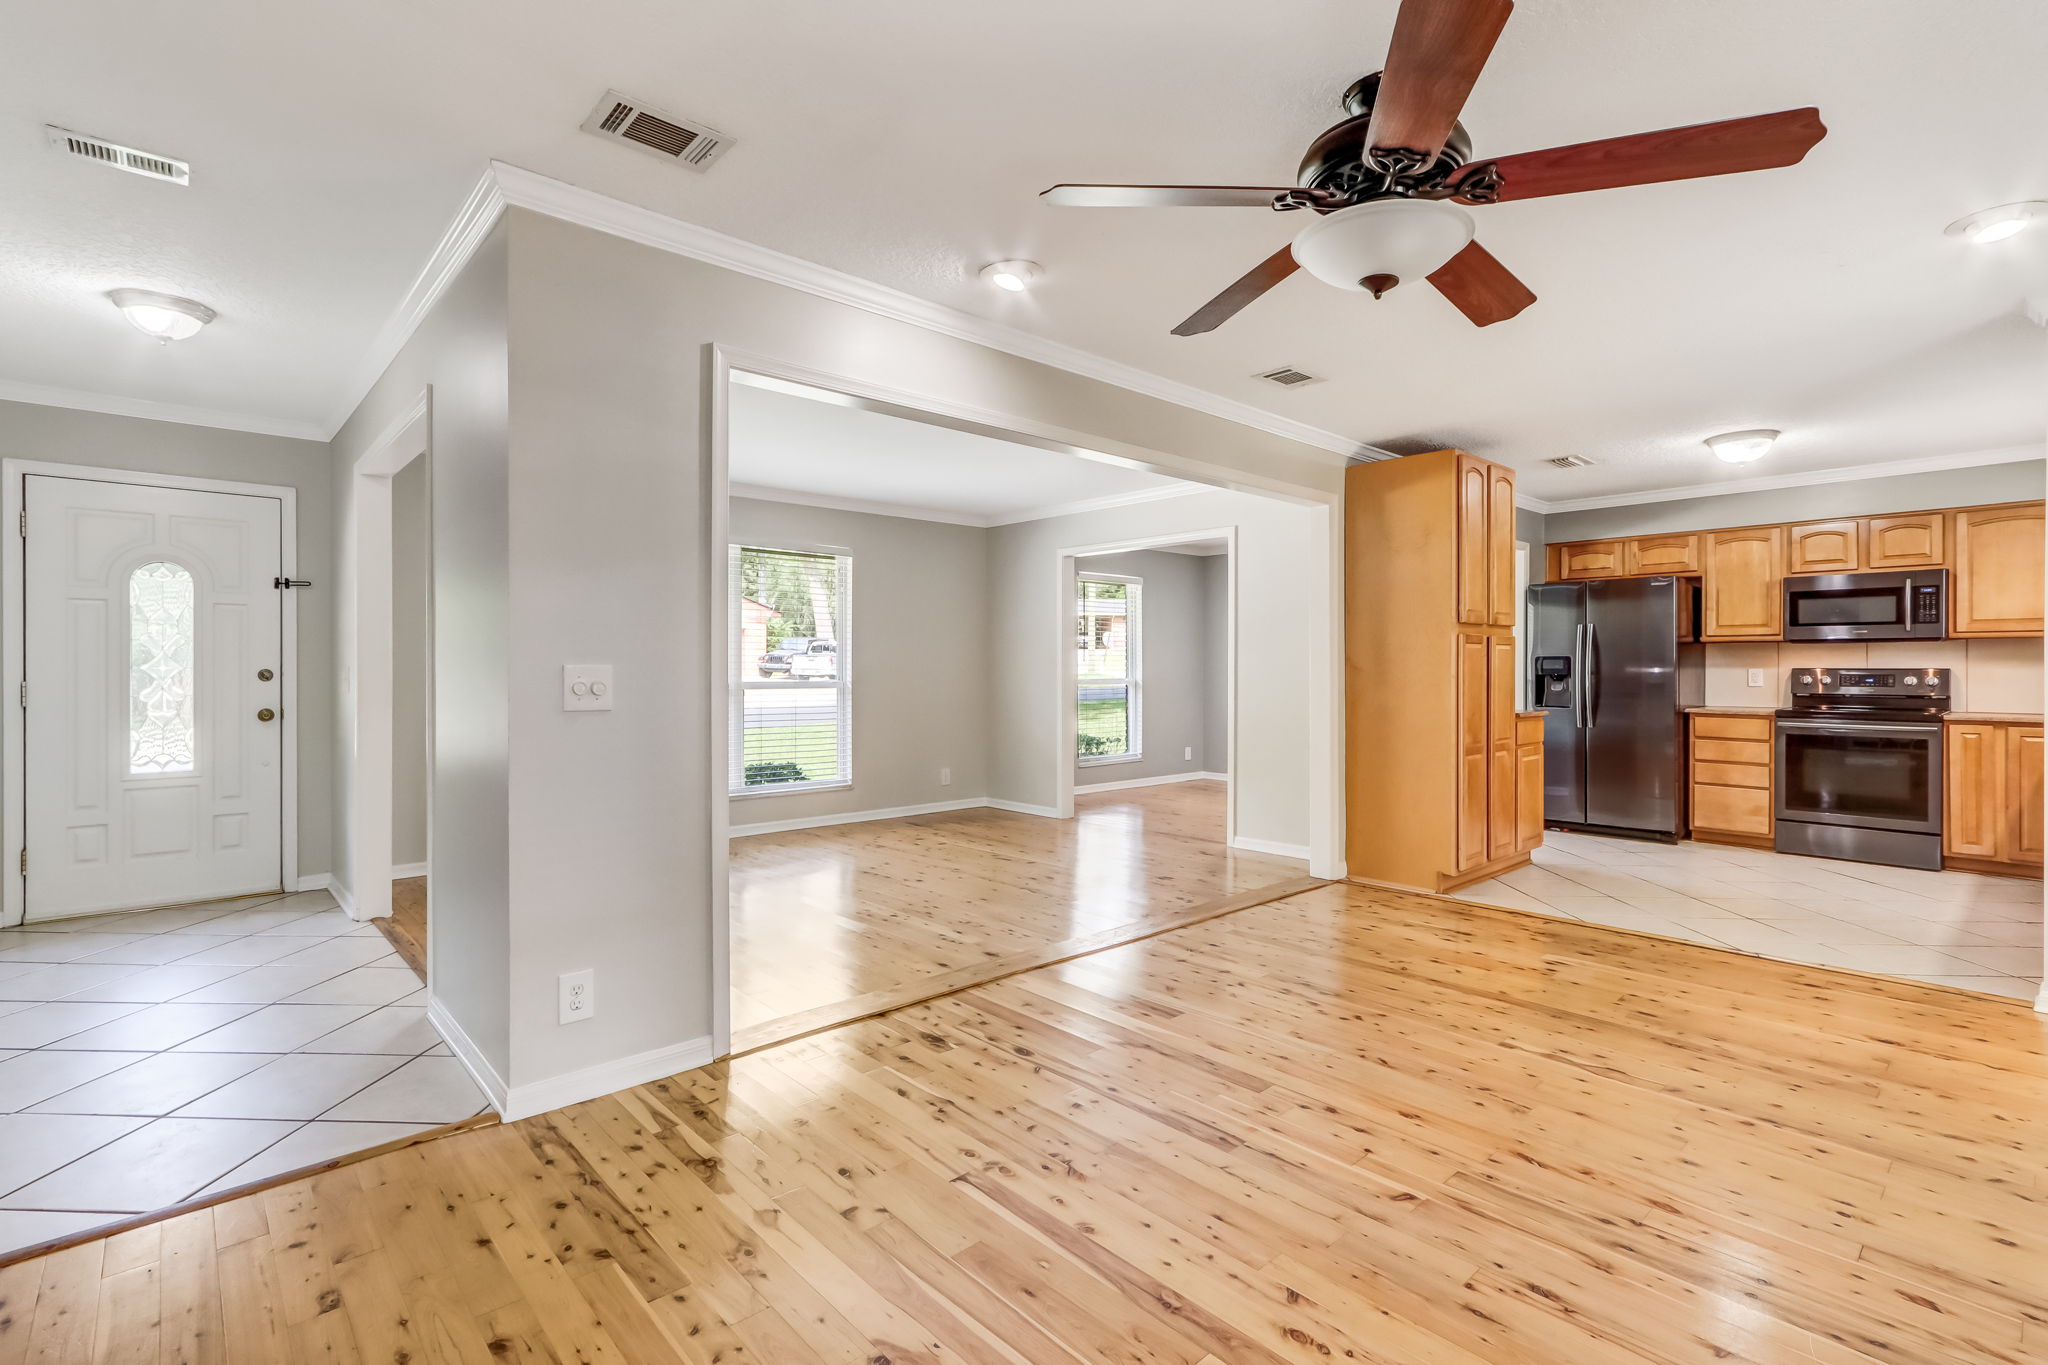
x: 1403, y: 238
x: 163, y: 316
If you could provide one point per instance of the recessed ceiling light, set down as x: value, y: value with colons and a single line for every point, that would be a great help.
x: 163, y: 316
x: 1741, y: 447
x: 1995, y: 225
x: 1015, y: 276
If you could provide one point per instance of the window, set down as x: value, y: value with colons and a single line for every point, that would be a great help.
x: 791, y: 698
x: 160, y: 669
x: 1107, y: 725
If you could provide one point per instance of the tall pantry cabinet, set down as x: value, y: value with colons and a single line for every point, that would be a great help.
x: 1432, y: 763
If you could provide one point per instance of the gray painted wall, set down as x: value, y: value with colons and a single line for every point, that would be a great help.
x: 1216, y: 663
x: 1534, y: 529
x: 409, y: 567
x: 460, y: 350
x: 1177, y: 687
x: 67, y: 436
x: 2020, y: 481
x: 919, y: 656
x: 606, y: 561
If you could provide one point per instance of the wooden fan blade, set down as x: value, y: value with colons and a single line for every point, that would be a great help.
x: 1481, y: 286
x: 1225, y: 305
x: 1171, y: 196
x: 1436, y: 54
x: 1738, y: 144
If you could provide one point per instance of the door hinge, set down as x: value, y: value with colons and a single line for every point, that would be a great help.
x: 24, y: 862
x: 24, y: 694
x: 24, y: 523
x: 291, y: 582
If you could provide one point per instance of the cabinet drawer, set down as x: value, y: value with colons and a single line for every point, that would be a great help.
x: 1754, y: 751
x: 1732, y: 774
x: 1731, y: 727
x: 1733, y: 810
x: 1528, y: 729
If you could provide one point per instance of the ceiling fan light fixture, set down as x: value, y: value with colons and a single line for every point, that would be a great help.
x: 1996, y: 224
x: 1374, y: 246
x: 1742, y: 447
x: 1013, y: 276
x: 166, y: 317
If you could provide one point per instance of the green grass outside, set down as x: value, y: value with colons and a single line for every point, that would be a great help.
x: 814, y: 747
x: 1109, y: 719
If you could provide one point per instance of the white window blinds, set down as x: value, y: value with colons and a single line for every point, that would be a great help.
x: 1108, y: 720
x: 791, y: 724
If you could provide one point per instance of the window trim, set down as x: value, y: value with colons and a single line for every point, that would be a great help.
x: 738, y: 684
x: 1134, y: 670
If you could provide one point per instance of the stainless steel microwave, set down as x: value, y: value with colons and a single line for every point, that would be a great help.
x: 1868, y: 606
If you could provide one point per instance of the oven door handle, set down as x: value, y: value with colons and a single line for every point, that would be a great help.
x: 1855, y: 728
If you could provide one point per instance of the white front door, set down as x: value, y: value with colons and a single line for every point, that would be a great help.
x: 153, y: 661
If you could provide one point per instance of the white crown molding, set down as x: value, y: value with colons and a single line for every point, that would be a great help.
x: 587, y: 208
x: 805, y: 498
x: 1931, y: 464
x: 114, y: 405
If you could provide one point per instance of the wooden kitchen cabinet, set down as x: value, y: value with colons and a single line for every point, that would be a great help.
x: 1743, y: 597
x: 1528, y: 782
x: 1996, y: 588
x: 1993, y: 809
x: 1824, y: 547
x: 1433, y: 772
x: 1916, y: 540
x: 1651, y: 555
x: 1596, y: 559
x: 1731, y: 779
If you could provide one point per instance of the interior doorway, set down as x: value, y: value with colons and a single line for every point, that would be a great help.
x: 150, y: 645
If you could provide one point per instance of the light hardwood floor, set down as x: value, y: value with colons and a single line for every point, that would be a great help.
x: 1352, y: 1125
x: 405, y: 929
x: 831, y: 924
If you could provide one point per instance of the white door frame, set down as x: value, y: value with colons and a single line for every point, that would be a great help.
x: 13, y: 608
x: 1326, y: 725
x: 367, y: 651
x: 1066, y: 568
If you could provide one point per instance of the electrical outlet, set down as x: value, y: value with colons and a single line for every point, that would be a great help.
x: 1188, y: 753
x: 945, y: 777
x: 1756, y: 677
x: 578, y: 995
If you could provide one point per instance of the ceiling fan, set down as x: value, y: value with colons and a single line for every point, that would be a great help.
x: 1384, y: 183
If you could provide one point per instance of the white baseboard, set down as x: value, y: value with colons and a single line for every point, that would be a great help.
x: 537, y: 1097
x: 314, y: 881
x: 469, y: 1054
x: 1152, y: 782
x: 408, y: 870
x: 2041, y: 1000
x: 852, y: 817
x: 1020, y: 808
x: 1268, y: 846
x: 342, y: 898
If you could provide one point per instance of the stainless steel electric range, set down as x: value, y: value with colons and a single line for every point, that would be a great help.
x: 1859, y: 765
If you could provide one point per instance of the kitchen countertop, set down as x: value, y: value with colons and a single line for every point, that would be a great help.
x: 1526, y: 714
x: 1995, y: 717
x: 1731, y: 710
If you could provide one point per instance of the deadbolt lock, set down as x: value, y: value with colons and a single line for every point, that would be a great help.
x: 264, y: 675
x: 266, y: 714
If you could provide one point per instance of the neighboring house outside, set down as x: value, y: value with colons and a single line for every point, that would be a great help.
x: 754, y: 619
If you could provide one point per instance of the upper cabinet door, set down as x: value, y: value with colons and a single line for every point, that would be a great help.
x: 1744, y: 584
x: 1823, y: 547
x: 1913, y: 541
x: 1664, y: 554
x: 1996, y: 588
x: 1500, y: 544
x: 1475, y: 581
x: 1596, y: 559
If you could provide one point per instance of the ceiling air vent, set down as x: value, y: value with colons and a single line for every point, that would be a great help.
x: 695, y: 145
x: 121, y: 158
x: 1569, y: 462
x: 1287, y: 377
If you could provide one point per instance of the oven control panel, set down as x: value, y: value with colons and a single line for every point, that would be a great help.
x: 1870, y: 682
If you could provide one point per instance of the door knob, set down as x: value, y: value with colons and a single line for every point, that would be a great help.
x: 266, y: 714
x: 264, y: 675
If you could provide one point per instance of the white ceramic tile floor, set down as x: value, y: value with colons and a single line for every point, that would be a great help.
x: 147, y: 1057
x: 1947, y: 928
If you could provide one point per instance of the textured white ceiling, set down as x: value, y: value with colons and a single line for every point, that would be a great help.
x: 905, y: 140
x: 784, y: 445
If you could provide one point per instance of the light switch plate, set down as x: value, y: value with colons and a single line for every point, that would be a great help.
x: 1756, y: 677
x: 586, y: 687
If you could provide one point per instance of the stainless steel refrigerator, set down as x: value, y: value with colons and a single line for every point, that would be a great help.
x: 1612, y: 671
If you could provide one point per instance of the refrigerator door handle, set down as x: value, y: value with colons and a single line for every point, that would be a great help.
x: 1581, y: 714
x: 1592, y: 674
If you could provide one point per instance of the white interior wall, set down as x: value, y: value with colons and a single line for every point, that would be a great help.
x: 1178, y: 687
x: 409, y: 569
x: 31, y: 431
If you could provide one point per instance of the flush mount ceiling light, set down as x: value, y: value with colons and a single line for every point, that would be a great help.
x: 163, y: 316
x: 1995, y: 225
x: 1373, y: 247
x: 1742, y: 447
x: 1014, y: 276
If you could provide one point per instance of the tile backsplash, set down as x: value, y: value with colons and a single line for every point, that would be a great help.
x: 1987, y: 675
